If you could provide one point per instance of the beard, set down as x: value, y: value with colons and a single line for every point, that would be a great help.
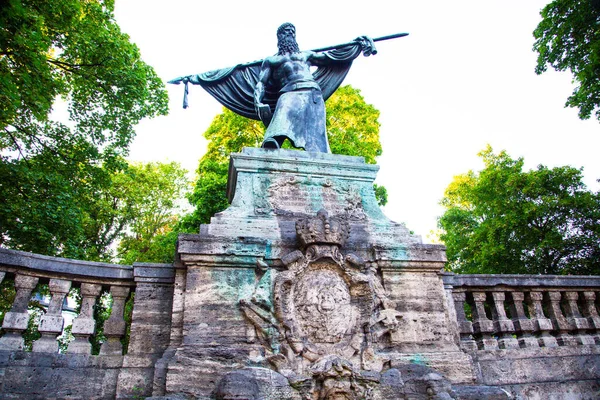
x: 288, y: 46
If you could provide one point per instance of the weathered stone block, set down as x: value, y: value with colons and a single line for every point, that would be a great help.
x: 84, y: 326
x: 543, y: 324
x: 59, y: 376
x: 547, y: 341
x: 523, y: 325
x: 116, y: 326
x: 508, y: 343
x: 487, y: 344
x: 46, y: 344
x: 465, y: 326
x: 537, y: 365
x: 503, y: 326
x: 15, y: 320
x: 483, y: 326
x: 51, y: 323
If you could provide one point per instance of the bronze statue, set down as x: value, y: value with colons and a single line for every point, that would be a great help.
x: 281, y: 90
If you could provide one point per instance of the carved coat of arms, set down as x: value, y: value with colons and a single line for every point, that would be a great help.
x: 325, y: 311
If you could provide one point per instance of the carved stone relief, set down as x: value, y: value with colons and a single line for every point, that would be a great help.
x: 295, y: 196
x: 318, y: 322
x: 326, y: 309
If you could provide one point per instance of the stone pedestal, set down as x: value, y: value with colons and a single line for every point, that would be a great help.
x: 304, y: 275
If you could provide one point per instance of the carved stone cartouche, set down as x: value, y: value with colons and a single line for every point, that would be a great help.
x: 326, y: 307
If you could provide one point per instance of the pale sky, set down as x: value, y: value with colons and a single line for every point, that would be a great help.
x: 462, y: 79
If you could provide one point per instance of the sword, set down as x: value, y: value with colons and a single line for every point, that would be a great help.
x: 352, y: 43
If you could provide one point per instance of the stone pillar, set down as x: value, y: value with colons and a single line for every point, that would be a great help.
x: 51, y: 323
x: 561, y: 325
x: 579, y: 325
x: 214, y: 328
x: 451, y: 313
x: 176, y: 335
x: 150, y: 328
x: 523, y: 325
x: 16, y: 320
x: 590, y: 312
x: 84, y: 325
x: 502, y: 325
x: 541, y: 324
x: 482, y: 326
x: 465, y: 327
x: 115, y: 326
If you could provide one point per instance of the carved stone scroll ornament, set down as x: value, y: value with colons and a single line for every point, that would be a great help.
x: 326, y: 308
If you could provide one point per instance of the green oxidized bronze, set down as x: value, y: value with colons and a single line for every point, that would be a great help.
x: 282, y: 91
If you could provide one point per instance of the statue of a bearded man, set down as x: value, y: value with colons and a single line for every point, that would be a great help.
x: 282, y: 91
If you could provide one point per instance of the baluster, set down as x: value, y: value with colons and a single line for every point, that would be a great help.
x: 16, y: 320
x: 114, y: 327
x: 503, y: 326
x: 523, y: 325
x: 482, y: 326
x: 579, y: 325
x: 561, y: 325
x: 51, y: 323
x: 84, y: 325
x: 465, y: 327
x: 590, y: 312
x: 541, y: 324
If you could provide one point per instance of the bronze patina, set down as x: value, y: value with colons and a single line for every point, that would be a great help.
x: 282, y: 91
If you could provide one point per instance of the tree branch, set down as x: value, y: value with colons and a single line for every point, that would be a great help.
x: 73, y: 67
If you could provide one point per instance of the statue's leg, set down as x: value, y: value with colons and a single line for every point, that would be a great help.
x: 315, y: 131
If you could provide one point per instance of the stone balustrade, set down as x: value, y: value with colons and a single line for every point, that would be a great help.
x: 525, y: 311
x: 518, y: 323
x: 28, y: 270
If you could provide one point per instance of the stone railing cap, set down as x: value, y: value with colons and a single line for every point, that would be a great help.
x: 64, y: 266
x: 543, y: 281
x: 154, y: 272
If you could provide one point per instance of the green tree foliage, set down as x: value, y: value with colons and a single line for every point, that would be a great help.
x: 352, y: 126
x: 136, y: 205
x: 157, y: 191
x: 506, y: 220
x: 74, y: 51
x: 55, y: 176
x: 137, y: 210
x: 568, y: 38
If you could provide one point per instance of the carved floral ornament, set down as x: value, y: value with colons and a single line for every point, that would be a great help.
x: 326, y: 310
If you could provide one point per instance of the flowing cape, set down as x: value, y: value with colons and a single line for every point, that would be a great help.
x: 234, y: 87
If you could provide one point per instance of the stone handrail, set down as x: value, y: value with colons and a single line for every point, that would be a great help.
x: 520, y: 311
x: 61, y: 274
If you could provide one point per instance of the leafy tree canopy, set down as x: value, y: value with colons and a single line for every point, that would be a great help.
x: 74, y: 51
x: 159, y: 190
x: 504, y: 220
x: 57, y: 178
x: 352, y: 126
x: 84, y: 216
x: 568, y: 38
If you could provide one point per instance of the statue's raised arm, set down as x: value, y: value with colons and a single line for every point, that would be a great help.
x: 282, y: 91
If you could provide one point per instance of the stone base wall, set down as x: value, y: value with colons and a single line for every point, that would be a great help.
x: 455, y: 365
x: 543, y: 373
x: 559, y: 373
x: 58, y: 376
x: 561, y: 390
